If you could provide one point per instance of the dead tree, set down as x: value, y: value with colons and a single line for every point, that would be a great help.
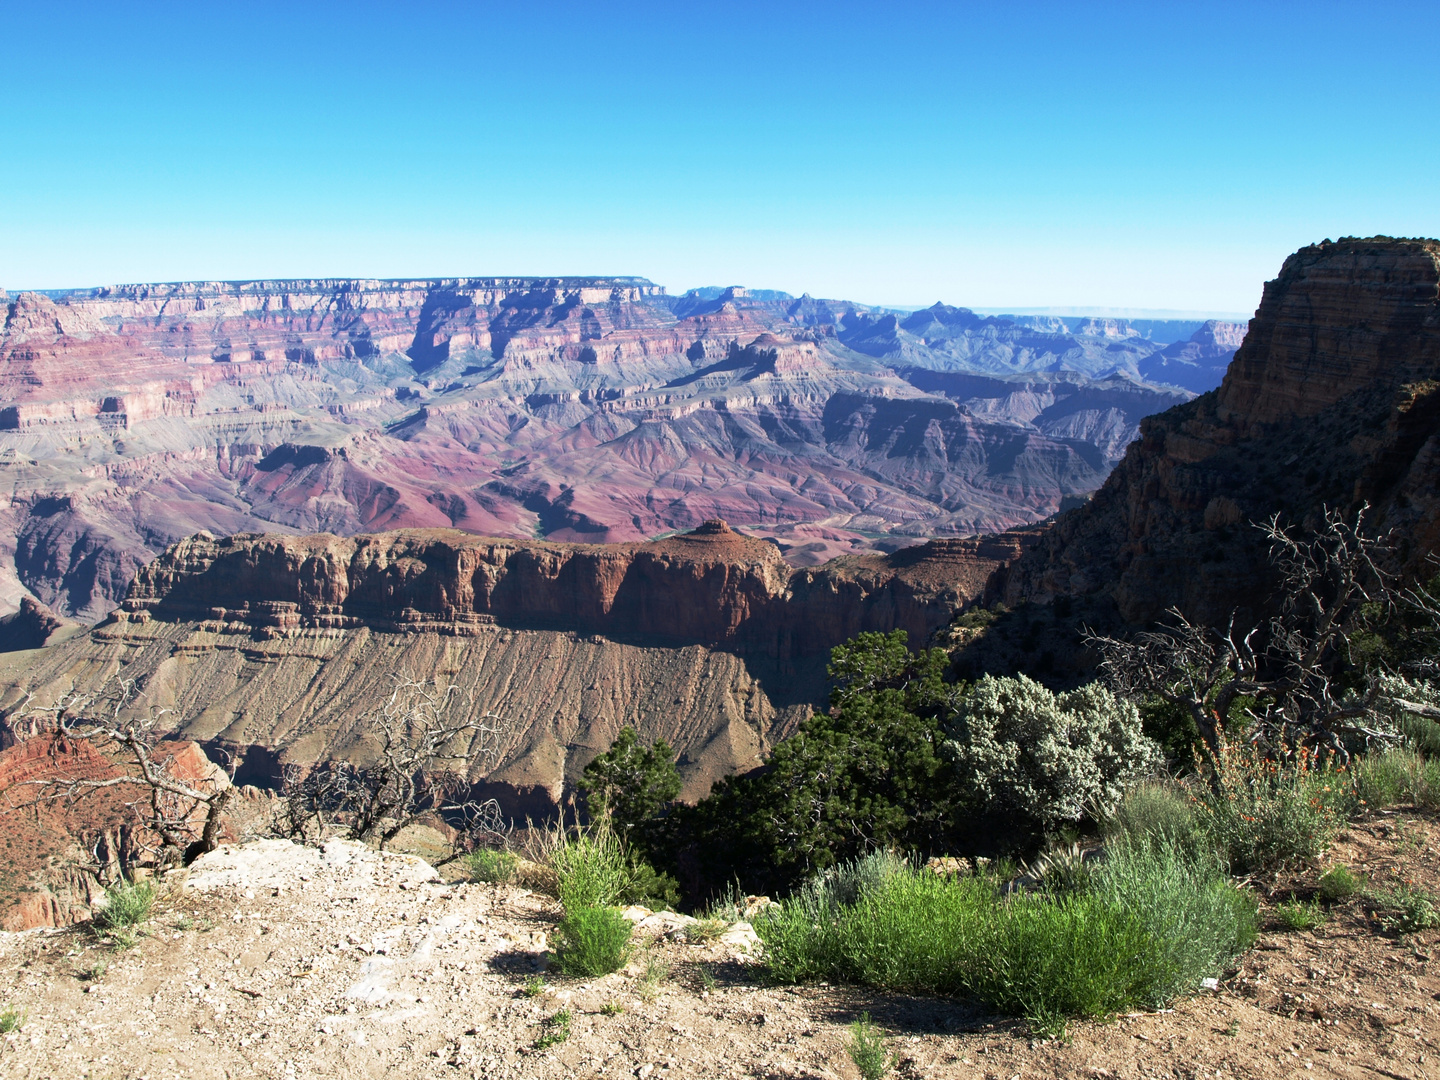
x: 185, y: 814
x: 421, y: 767
x: 1297, y: 667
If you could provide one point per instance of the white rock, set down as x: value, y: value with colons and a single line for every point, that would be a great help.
x: 742, y: 938
x: 663, y: 922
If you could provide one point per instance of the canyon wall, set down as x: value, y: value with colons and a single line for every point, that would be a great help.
x: 1332, y: 400
x: 574, y: 409
x: 276, y: 649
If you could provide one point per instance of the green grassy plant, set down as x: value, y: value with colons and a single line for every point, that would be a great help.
x: 556, y: 1030
x: 1338, y: 884
x: 592, y: 941
x: 12, y: 1018
x: 1262, y: 813
x: 1398, y: 775
x: 1156, y: 811
x: 1298, y: 915
x: 489, y: 864
x: 1148, y: 927
x: 705, y: 929
x: 1415, y: 910
x: 534, y: 986
x: 593, y: 869
x: 654, y: 976
x: 127, y: 905
x: 867, y: 1049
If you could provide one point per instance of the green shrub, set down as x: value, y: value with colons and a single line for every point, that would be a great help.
x: 1196, y: 918
x: 557, y: 1030
x: 489, y: 864
x: 630, y: 783
x: 1148, y: 928
x: 127, y: 905
x: 1262, y: 813
x: 1046, y: 759
x: 1398, y: 775
x: 1298, y: 915
x: 1415, y: 909
x: 1338, y: 884
x: 593, y: 869
x: 592, y: 941
x: 866, y: 774
x: 1154, y: 812
x: 867, y: 1049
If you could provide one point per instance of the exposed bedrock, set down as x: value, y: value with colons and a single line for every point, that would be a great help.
x: 1332, y: 399
x: 574, y: 409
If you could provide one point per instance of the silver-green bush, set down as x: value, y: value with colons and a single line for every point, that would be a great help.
x: 1047, y: 759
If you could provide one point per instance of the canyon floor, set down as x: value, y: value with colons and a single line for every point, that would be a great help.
x: 278, y: 962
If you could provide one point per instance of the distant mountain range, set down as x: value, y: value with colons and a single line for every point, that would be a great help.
x: 576, y: 409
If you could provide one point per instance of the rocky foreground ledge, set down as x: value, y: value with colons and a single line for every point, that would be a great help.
x: 275, y: 960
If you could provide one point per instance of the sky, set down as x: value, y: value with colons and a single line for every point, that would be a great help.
x: 1079, y: 155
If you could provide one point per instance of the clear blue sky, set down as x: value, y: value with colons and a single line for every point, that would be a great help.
x: 1152, y: 155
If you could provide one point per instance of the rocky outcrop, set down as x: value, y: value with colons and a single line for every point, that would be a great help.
x: 59, y: 852
x: 712, y: 586
x: 33, y: 626
x: 1333, y: 399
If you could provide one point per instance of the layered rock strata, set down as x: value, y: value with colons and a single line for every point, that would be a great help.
x: 577, y: 409
x: 277, y: 648
x: 1332, y: 400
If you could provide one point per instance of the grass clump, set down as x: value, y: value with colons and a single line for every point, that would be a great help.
x: 706, y: 929
x: 654, y: 976
x: 612, y: 1008
x: 556, y: 1030
x: 1338, y: 884
x: 12, y: 1018
x: 534, y: 986
x: 867, y: 1049
x: 592, y: 941
x: 593, y: 869
x: 128, y: 904
x: 1157, y: 812
x: 1299, y: 915
x: 1149, y: 924
x: 492, y: 865
x: 1398, y: 775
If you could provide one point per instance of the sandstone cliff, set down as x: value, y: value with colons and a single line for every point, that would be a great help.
x: 1333, y: 399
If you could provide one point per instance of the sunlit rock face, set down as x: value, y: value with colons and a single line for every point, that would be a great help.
x: 594, y: 409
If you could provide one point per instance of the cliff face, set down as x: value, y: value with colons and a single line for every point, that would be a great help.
x: 1333, y: 399
x: 712, y: 586
x: 275, y: 649
x: 575, y: 409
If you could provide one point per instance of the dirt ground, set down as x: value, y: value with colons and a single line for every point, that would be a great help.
x: 303, y: 963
